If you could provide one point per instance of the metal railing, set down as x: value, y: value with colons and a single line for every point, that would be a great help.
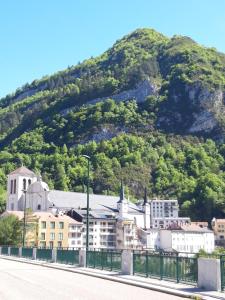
x: 5, y: 250
x: 27, y: 252
x: 161, y: 265
x: 222, y: 270
x: 67, y: 256
x: 167, y: 266
x: 104, y: 259
x: 14, y: 251
x: 44, y: 254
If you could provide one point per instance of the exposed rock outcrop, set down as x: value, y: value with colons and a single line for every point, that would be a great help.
x: 143, y: 89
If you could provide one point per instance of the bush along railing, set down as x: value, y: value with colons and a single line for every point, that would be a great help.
x: 104, y: 259
x: 167, y: 266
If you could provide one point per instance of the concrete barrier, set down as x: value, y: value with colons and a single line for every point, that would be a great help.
x: 82, y: 257
x: 54, y: 255
x: 209, y: 275
x: 127, y: 262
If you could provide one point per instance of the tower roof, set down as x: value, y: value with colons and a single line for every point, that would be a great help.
x: 22, y: 171
x: 122, y: 194
x: 145, y: 197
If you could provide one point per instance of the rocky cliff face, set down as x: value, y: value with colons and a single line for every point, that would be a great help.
x: 193, y: 109
x: 139, y: 93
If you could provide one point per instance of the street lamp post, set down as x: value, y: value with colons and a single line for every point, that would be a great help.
x: 87, y: 219
x: 24, y: 217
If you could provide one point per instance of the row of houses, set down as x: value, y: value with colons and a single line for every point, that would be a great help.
x: 58, y: 219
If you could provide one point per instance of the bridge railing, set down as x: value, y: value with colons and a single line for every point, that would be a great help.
x: 166, y: 266
x: 105, y: 259
x: 179, y: 267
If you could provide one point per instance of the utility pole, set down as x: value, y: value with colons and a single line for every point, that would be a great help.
x: 87, y: 219
x: 24, y: 217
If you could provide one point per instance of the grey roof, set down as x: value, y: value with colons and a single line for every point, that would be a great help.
x: 103, y: 203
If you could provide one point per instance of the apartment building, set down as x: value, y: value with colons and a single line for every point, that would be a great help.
x: 75, y: 234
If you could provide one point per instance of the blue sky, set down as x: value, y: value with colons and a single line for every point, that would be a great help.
x: 40, y: 37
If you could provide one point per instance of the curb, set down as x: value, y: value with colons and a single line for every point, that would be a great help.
x: 119, y: 280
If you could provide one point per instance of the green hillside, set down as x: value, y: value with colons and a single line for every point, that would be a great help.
x: 149, y: 110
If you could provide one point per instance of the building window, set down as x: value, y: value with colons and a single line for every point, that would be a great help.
x: 51, y: 244
x: 11, y: 187
x: 42, y: 244
x: 52, y: 236
x: 29, y: 181
x: 59, y: 244
x: 43, y: 225
x: 39, y: 207
x: 14, y: 186
x: 60, y: 236
x: 52, y: 225
x: 42, y: 236
x: 61, y: 225
x: 24, y: 184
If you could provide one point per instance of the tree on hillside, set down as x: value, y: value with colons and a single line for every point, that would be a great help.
x: 10, y: 230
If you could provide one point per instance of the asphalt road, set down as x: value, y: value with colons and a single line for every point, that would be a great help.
x: 30, y: 282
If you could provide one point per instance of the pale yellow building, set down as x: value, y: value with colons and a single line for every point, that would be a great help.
x: 44, y: 229
x: 53, y: 230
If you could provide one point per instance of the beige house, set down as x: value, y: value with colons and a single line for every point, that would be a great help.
x: 218, y: 226
x: 53, y: 230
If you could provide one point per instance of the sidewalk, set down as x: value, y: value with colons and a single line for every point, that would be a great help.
x: 169, y: 287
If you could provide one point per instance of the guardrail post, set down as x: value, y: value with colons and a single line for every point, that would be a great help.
x: 34, y: 256
x: 209, y: 274
x: 0, y: 250
x: 127, y: 262
x: 9, y: 251
x: 161, y: 266
x: 177, y: 268
x: 20, y: 251
x: 146, y: 263
x: 54, y: 255
x: 82, y: 257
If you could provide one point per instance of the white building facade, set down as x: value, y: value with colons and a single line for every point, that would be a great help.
x: 187, y: 239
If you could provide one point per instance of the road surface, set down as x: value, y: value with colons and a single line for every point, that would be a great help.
x: 20, y: 281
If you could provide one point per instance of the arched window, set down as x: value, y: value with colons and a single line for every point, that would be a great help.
x: 11, y: 187
x: 29, y: 181
x: 24, y: 184
x: 14, y: 186
x: 39, y: 207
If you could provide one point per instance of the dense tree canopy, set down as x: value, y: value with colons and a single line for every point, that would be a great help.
x: 49, y: 124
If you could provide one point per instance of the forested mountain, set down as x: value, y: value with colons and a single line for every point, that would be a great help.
x: 149, y: 110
